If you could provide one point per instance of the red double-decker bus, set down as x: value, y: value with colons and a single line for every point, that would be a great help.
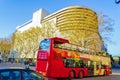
x: 57, y: 58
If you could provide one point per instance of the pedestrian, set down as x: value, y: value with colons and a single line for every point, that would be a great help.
x: 21, y: 60
x: 12, y: 60
x: 27, y: 66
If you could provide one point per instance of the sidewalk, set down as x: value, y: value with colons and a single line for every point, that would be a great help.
x: 115, y: 74
x: 115, y: 71
x: 14, y: 65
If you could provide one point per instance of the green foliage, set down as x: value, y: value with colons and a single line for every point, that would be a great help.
x: 105, y: 27
x: 26, y: 43
x: 5, y: 45
x: 49, y: 29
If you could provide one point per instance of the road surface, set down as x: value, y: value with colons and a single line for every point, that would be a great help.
x: 114, y: 76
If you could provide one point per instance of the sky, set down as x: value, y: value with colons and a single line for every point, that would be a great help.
x: 16, y: 12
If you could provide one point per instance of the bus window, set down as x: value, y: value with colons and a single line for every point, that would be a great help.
x: 82, y: 65
x: 44, y: 45
x: 70, y: 63
x: 77, y: 64
x: 90, y: 65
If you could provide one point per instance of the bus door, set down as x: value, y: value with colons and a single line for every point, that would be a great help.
x: 98, y: 70
x: 95, y: 68
x: 90, y: 68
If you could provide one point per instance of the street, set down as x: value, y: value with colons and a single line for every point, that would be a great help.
x: 114, y: 76
x: 110, y: 77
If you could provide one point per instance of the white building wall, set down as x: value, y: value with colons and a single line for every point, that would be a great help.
x: 37, y: 16
x: 36, y: 20
x: 25, y: 26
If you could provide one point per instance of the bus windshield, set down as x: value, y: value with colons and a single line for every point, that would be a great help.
x: 44, y: 44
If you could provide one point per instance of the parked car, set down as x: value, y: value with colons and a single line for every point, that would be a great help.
x: 20, y: 74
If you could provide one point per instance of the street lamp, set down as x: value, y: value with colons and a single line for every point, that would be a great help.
x: 117, y: 1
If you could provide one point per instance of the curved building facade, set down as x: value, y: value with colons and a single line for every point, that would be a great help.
x: 75, y: 18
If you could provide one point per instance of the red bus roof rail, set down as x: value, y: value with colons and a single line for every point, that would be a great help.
x: 60, y: 40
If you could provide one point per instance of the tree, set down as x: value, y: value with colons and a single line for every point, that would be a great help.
x: 112, y: 60
x: 49, y: 29
x: 33, y: 37
x: 83, y: 38
x: 105, y: 27
x: 27, y: 42
x: 119, y: 61
x: 5, y: 46
x: 17, y: 42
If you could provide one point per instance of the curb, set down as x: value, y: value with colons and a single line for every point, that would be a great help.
x: 115, y: 74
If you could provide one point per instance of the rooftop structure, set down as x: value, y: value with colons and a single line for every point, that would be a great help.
x: 35, y: 21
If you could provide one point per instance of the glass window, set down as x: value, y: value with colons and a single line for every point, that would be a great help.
x: 70, y: 62
x: 29, y: 75
x: 15, y: 75
x: 4, y: 75
x: 10, y: 75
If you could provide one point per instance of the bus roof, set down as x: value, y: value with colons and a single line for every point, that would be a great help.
x: 60, y: 40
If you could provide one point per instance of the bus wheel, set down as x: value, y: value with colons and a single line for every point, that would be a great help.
x: 71, y: 74
x: 81, y: 74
